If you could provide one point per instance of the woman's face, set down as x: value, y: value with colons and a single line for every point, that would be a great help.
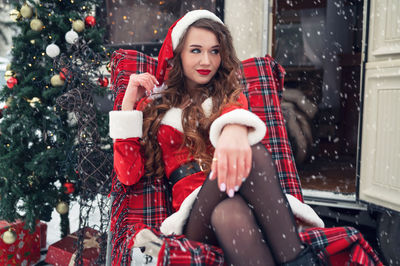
x: 200, y: 57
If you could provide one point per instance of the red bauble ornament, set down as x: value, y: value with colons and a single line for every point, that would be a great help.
x: 64, y: 73
x: 70, y: 188
x: 11, y: 82
x: 103, y: 82
x: 90, y: 21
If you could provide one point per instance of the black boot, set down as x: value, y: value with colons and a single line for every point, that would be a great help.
x: 306, y: 258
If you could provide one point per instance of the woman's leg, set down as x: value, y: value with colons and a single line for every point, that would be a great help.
x: 239, y: 235
x: 263, y: 193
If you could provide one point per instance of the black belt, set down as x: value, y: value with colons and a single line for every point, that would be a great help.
x: 184, y: 171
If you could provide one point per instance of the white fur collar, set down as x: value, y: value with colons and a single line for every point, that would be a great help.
x: 173, y: 116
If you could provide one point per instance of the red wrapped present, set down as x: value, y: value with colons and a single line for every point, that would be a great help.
x: 43, y: 235
x: 64, y: 251
x: 19, y: 246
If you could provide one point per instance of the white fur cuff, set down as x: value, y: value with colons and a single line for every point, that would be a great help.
x: 174, y: 223
x: 241, y: 117
x: 126, y: 124
x: 303, y: 212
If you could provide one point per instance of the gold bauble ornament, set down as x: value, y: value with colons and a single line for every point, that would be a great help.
x: 33, y: 101
x: 108, y: 67
x: 15, y: 15
x: 62, y: 207
x: 78, y: 25
x: 9, y: 237
x: 26, y: 11
x: 9, y: 100
x: 8, y: 74
x: 56, y: 81
x: 36, y: 24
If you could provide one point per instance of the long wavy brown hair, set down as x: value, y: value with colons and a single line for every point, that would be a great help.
x: 223, y: 88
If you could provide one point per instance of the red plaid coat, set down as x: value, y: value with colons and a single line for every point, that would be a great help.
x: 148, y: 203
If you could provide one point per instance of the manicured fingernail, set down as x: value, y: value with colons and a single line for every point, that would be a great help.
x: 236, y: 188
x: 231, y: 193
x: 243, y: 179
x: 222, y: 187
x: 210, y: 175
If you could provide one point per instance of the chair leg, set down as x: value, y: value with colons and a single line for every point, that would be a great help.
x: 109, y: 236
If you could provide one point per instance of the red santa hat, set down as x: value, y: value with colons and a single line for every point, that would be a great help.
x: 174, y: 35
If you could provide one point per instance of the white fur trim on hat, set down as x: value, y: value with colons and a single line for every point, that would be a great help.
x: 241, y: 117
x: 188, y: 20
x: 126, y: 124
x: 174, y: 223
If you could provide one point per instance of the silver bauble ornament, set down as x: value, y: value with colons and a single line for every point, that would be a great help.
x: 71, y: 37
x: 52, y: 50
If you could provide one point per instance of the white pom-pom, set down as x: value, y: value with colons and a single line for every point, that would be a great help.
x: 52, y: 50
x: 71, y: 37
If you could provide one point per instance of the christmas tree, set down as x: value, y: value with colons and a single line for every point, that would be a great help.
x: 40, y: 144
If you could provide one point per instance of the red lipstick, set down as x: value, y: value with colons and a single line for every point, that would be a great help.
x: 204, y: 72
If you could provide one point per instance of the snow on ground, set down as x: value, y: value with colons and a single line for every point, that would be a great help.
x: 54, y: 233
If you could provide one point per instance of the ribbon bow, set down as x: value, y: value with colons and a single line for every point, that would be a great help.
x: 90, y: 242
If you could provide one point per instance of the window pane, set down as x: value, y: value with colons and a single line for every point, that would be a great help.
x: 147, y: 21
x: 319, y: 45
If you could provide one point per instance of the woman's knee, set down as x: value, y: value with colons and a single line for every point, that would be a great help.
x: 230, y: 210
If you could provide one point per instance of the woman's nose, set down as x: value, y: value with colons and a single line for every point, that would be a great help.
x: 205, y: 60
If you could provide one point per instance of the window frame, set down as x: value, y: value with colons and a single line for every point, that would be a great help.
x: 148, y: 48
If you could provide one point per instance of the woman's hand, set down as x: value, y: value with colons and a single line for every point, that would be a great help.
x: 232, y: 159
x: 137, y: 86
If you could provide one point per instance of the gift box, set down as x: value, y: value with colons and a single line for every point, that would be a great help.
x: 26, y: 248
x: 43, y: 235
x: 64, y: 251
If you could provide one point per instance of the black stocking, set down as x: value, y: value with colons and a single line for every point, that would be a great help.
x: 262, y: 193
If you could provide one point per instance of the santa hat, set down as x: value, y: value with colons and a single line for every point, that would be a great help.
x: 174, y: 35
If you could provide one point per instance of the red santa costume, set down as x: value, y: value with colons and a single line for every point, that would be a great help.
x: 126, y: 130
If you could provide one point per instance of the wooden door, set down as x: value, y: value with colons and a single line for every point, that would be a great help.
x: 380, y: 148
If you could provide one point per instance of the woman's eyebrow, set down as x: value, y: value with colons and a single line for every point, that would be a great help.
x: 199, y: 46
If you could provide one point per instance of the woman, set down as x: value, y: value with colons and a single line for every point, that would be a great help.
x: 198, y: 125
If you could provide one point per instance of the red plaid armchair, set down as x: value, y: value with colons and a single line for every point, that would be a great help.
x: 147, y: 203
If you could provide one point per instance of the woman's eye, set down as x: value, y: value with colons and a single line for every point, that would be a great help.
x: 216, y: 51
x: 196, y: 51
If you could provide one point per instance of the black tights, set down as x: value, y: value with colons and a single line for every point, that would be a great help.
x: 256, y: 226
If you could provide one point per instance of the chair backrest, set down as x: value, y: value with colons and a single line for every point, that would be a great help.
x: 263, y: 82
